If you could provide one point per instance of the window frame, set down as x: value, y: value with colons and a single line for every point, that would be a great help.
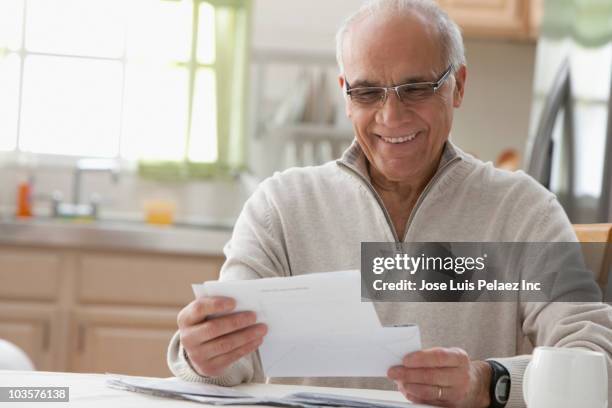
x: 157, y: 169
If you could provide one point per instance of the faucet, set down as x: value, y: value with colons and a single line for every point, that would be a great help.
x: 91, y: 166
x: 76, y: 208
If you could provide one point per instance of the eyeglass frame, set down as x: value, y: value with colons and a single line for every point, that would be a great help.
x: 434, y: 86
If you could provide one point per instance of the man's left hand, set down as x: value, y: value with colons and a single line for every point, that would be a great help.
x: 444, y: 377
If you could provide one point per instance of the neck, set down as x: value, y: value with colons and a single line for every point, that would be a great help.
x: 402, y: 190
x: 400, y: 197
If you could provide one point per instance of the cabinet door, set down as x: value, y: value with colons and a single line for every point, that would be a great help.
x: 29, y: 274
x: 490, y: 18
x: 30, y: 327
x: 142, y: 280
x: 122, y: 340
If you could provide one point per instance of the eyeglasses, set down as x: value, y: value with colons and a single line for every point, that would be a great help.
x: 407, y: 93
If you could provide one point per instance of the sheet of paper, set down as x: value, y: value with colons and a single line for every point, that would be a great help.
x: 321, y: 399
x: 225, y: 396
x: 318, y: 326
x: 177, y: 386
x: 265, y: 401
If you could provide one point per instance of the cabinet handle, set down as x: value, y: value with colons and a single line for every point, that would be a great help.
x: 46, y: 336
x: 80, y: 340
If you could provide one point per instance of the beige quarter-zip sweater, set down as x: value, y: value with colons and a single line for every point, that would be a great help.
x: 314, y: 219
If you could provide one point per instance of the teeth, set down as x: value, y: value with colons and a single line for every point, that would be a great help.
x: 395, y: 140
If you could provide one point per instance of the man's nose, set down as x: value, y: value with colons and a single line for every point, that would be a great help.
x: 392, y: 112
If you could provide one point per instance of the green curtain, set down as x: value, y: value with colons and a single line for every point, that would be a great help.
x: 232, y: 28
x: 588, y: 22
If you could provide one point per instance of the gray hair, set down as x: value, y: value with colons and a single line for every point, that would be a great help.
x: 449, y: 32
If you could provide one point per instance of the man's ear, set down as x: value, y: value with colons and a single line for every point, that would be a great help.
x: 460, y: 79
x: 347, y: 109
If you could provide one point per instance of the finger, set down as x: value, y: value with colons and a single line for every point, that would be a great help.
x: 220, y: 326
x: 445, y: 376
x: 408, y: 396
x: 196, y: 311
x: 229, y: 342
x: 436, y: 357
x: 425, y: 393
x: 219, y: 363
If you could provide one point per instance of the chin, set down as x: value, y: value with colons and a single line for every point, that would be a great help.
x: 397, y: 173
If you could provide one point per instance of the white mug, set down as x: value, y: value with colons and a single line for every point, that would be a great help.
x: 566, y: 378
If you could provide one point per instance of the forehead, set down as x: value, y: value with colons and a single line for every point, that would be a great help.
x: 386, y: 49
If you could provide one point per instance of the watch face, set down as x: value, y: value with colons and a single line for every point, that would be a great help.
x: 502, y: 389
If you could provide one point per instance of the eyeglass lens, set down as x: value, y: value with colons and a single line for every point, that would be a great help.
x: 407, y: 94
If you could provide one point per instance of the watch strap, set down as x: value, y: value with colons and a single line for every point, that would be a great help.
x: 499, y: 375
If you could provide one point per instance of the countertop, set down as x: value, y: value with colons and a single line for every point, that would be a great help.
x: 189, y: 239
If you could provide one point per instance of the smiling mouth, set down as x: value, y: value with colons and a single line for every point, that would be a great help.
x: 399, y: 140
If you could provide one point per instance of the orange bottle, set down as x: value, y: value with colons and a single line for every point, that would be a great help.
x: 24, y: 199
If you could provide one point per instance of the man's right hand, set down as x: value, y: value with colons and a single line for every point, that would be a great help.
x: 213, y: 344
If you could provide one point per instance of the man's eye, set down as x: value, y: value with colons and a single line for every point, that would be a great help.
x: 366, y: 95
x: 415, y: 93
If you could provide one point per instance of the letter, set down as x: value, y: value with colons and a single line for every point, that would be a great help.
x: 376, y: 284
x: 434, y: 263
x: 415, y: 264
x: 405, y: 266
x: 449, y: 264
x: 480, y: 262
x: 398, y: 261
x: 377, y: 267
x: 459, y: 265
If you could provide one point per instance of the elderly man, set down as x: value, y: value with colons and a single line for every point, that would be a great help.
x: 403, y: 72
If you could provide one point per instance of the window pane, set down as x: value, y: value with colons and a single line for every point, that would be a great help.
x: 591, y: 122
x: 71, y: 106
x: 206, y: 34
x: 203, y: 139
x: 11, y: 19
x: 155, y: 119
x: 159, y: 30
x: 549, y: 56
x: 77, y: 27
x: 9, y: 89
x: 590, y: 68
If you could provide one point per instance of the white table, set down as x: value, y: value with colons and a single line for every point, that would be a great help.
x: 89, y: 390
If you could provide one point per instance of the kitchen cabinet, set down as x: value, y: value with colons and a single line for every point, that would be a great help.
x: 32, y: 328
x: 29, y: 275
x: 118, y: 340
x: 29, y: 308
x: 96, y: 310
x: 107, y: 278
x: 499, y: 19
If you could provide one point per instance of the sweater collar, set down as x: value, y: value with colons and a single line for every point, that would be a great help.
x: 354, y: 157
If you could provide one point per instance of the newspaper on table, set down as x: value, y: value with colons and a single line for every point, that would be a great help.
x: 226, y: 396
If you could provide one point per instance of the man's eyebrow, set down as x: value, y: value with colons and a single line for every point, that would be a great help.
x: 413, y: 80
x: 363, y: 83
x: 359, y: 83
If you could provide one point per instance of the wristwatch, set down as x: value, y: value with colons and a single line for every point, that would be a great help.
x: 500, y: 385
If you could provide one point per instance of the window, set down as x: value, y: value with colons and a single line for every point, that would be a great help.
x: 159, y: 81
x: 590, y: 76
